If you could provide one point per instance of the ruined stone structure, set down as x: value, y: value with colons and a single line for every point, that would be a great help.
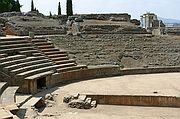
x: 172, y: 30
x: 116, y: 17
x: 150, y: 21
x: 30, y: 63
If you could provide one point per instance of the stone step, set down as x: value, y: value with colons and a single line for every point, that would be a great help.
x: 28, y: 59
x: 43, y: 43
x: 33, y: 102
x: 14, y: 42
x: 41, y: 70
x: 15, y: 46
x: 38, y: 54
x: 29, y: 52
x: 57, y: 55
x: 37, y: 76
x: 38, y: 40
x: 77, y: 67
x: 65, y: 61
x: 24, y: 64
x: 11, y: 39
x: 31, y: 67
x: 5, y: 114
x: 12, y: 108
x: 15, y: 57
x: 55, y: 52
x: 60, y: 58
x: 45, y: 46
x: 15, y: 50
x: 3, y: 55
x: 8, y: 96
x: 49, y: 49
x: 3, y: 86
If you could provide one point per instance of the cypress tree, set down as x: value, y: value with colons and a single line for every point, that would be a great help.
x: 50, y: 15
x: 69, y: 9
x: 18, y: 6
x: 32, y: 5
x: 59, y: 9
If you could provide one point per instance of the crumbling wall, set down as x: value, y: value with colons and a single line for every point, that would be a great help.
x: 122, y: 17
x: 112, y: 29
x: 172, y: 30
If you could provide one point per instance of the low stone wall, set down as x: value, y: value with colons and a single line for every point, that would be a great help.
x: 90, y: 73
x: 111, y: 29
x: 149, y: 70
x: 104, y: 71
x: 137, y: 100
x: 122, y: 16
x: 172, y: 30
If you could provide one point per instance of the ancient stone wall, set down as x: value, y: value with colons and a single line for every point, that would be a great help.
x: 172, y: 30
x: 90, y: 73
x: 22, y: 24
x: 111, y: 29
x: 123, y: 16
x: 137, y: 100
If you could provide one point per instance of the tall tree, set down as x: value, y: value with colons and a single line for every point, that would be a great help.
x: 9, y: 6
x: 69, y: 8
x: 59, y: 9
x: 17, y: 6
x: 50, y: 14
x: 32, y: 5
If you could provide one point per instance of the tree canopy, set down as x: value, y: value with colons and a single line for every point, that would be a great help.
x: 69, y: 8
x: 9, y: 6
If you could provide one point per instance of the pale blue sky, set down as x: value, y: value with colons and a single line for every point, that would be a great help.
x: 163, y: 8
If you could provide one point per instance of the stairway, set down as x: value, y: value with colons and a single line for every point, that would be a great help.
x: 59, y: 57
x: 26, y: 61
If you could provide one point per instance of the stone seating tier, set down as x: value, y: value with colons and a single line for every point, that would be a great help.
x: 30, y: 67
x: 41, y: 70
x: 3, y: 86
x: 9, y: 58
x: 24, y: 64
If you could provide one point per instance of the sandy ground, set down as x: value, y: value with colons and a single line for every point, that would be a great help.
x: 164, y: 84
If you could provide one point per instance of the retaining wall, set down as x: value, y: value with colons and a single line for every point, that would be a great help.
x: 137, y: 100
x: 105, y: 71
x: 149, y: 70
x: 90, y: 73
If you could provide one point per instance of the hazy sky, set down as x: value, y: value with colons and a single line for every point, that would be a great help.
x: 163, y: 8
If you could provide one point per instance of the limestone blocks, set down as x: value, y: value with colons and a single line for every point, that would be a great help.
x: 79, y: 101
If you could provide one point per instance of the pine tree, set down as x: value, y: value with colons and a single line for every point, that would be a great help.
x: 69, y: 9
x: 32, y: 5
x: 59, y: 9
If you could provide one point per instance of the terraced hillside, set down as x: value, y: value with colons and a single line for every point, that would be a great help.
x: 127, y: 50
x: 29, y: 63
